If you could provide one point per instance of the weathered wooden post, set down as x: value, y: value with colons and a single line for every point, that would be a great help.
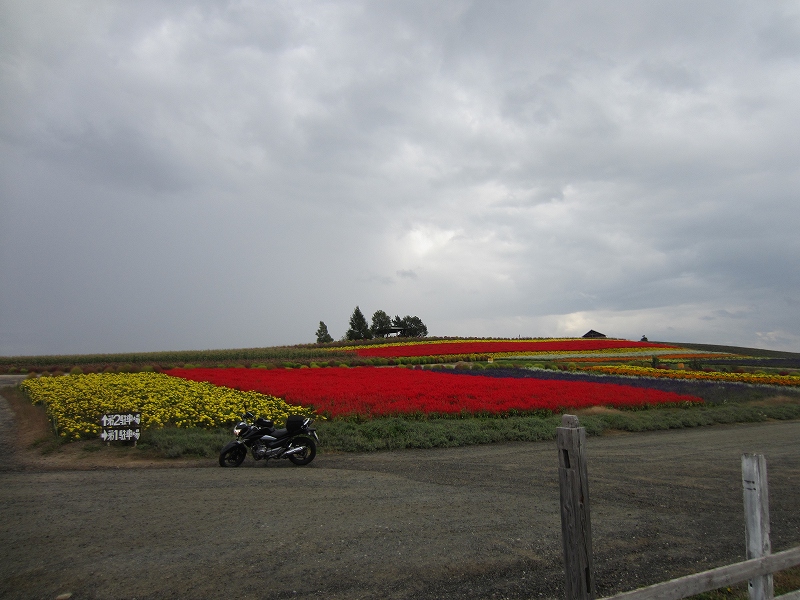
x: 756, y: 517
x: 576, y: 526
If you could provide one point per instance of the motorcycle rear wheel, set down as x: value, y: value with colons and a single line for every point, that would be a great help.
x: 232, y: 457
x: 308, y: 453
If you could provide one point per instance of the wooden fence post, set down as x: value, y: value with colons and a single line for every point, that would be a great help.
x: 576, y: 526
x: 756, y: 517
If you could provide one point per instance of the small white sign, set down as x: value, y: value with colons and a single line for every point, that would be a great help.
x: 120, y: 427
x: 121, y: 420
x: 119, y: 435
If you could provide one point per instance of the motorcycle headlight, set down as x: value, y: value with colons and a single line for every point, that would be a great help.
x: 237, y: 431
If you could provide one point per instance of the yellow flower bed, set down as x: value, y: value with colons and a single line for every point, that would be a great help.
x: 663, y: 357
x: 406, y: 342
x: 75, y: 403
x: 755, y: 378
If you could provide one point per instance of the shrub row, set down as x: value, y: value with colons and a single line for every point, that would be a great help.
x: 348, y: 360
x: 326, y: 360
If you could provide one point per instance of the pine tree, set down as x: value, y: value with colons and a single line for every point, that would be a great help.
x: 381, y: 322
x: 323, y: 337
x: 359, y: 329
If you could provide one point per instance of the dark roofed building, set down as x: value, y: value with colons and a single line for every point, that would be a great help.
x: 594, y: 334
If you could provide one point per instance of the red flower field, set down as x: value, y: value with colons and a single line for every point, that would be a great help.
x: 374, y: 392
x: 489, y: 347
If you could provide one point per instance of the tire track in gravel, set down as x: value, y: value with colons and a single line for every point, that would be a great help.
x: 7, y: 427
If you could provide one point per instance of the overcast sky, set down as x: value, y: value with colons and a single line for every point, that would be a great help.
x: 191, y: 175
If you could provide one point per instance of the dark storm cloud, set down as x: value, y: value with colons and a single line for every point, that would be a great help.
x: 204, y: 174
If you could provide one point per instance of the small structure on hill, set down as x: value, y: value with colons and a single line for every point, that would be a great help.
x: 594, y: 334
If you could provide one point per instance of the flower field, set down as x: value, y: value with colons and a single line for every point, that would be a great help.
x: 76, y: 402
x: 752, y: 378
x: 502, y: 348
x: 376, y: 392
x: 520, y: 380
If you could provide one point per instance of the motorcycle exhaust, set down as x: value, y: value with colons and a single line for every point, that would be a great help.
x: 293, y: 451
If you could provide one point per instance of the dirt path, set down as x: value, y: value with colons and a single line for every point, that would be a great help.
x: 478, y: 522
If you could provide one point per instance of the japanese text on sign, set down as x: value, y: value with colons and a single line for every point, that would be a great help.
x: 119, y: 435
x: 120, y: 427
x: 121, y: 420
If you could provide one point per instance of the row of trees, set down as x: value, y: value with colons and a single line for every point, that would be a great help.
x: 382, y: 325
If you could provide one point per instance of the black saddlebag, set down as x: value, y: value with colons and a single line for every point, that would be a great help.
x: 294, y: 423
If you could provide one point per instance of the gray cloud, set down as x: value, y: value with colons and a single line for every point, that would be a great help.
x: 198, y: 175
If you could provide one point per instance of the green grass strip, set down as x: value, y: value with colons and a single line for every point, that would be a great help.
x: 397, y: 433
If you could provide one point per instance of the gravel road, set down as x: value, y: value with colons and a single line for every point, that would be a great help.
x: 477, y: 522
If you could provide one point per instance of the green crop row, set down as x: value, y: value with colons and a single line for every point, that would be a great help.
x: 135, y: 360
x: 301, y: 353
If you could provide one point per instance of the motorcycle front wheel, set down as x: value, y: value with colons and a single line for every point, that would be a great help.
x: 306, y: 455
x: 232, y: 457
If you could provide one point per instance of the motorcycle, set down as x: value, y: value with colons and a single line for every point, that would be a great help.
x: 296, y: 441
